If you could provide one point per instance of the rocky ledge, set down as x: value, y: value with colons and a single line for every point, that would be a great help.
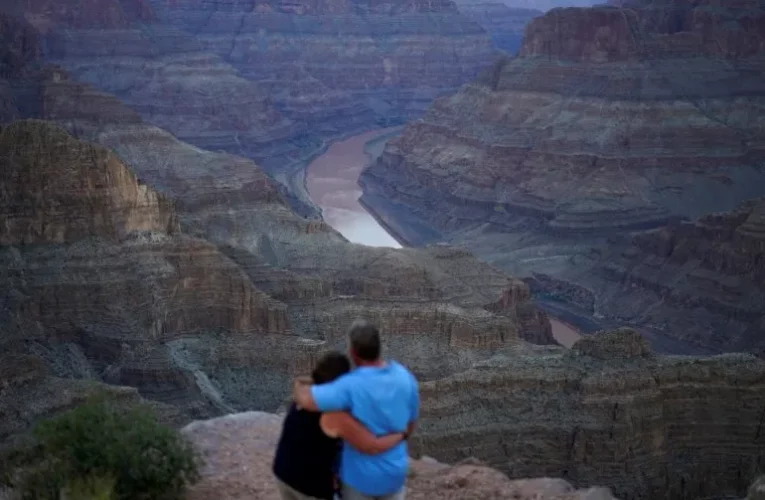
x: 611, y: 120
x: 238, y: 450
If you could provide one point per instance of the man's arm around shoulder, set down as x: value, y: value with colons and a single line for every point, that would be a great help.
x: 334, y: 396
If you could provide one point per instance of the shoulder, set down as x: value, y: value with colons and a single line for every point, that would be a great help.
x: 403, y: 372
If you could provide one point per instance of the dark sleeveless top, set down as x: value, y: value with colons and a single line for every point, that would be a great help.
x: 306, y: 458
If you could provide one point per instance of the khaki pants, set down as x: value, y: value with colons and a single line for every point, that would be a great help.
x: 352, y: 494
x: 287, y: 492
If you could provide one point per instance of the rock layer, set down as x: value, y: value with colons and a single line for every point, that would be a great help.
x: 96, y: 277
x: 98, y: 197
x: 611, y: 120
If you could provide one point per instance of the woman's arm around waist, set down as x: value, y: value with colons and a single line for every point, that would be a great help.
x: 343, y: 425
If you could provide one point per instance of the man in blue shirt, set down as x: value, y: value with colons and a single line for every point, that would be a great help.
x: 382, y: 395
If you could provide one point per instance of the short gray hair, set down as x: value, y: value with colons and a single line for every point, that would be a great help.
x: 365, y: 340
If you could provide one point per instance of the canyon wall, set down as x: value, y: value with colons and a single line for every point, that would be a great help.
x: 609, y: 411
x: 612, y: 120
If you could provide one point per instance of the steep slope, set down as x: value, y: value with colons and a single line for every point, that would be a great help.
x: 611, y: 120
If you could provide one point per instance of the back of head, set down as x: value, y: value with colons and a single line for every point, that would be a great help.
x: 330, y: 366
x: 365, y: 341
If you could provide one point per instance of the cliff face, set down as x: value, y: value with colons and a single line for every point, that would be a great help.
x: 59, y: 190
x: 611, y: 120
x: 608, y: 411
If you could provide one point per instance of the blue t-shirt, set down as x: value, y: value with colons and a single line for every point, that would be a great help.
x: 385, y: 399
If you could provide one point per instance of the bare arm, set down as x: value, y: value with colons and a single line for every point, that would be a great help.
x: 343, y: 425
x: 301, y: 392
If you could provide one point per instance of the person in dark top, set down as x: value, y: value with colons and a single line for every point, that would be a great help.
x: 308, y: 453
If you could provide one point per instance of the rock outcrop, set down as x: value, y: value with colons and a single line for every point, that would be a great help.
x: 609, y: 411
x: 239, y: 449
x: 612, y: 120
x: 59, y: 190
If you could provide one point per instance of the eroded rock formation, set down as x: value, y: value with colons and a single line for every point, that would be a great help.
x: 612, y: 120
x: 609, y: 411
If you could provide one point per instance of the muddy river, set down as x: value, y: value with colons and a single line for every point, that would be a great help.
x: 331, y: 182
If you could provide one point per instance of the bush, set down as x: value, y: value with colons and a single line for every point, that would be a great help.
x: 97, y: 452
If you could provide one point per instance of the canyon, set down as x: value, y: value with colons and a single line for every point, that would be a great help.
x: 590, y: 164
x: 146, y: 257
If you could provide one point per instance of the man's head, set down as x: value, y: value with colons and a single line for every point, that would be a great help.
x: 364, y: 341
x: 330, y: 366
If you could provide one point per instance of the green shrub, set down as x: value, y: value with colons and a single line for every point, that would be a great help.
x: 91, y: 488
x: 101, y: 453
